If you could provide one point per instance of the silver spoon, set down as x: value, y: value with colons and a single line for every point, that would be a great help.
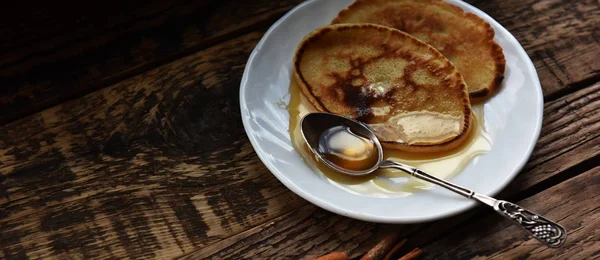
x: 314, y: 125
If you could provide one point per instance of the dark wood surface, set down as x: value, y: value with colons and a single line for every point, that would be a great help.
x: 70, y: 54
x: 120, y: 137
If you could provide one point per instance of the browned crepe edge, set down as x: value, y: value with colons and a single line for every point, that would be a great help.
x: 495, y: 49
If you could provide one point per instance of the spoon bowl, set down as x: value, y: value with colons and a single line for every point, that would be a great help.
x: 314, y: 125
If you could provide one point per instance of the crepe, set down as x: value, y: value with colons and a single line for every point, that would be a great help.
x: 464, y: 38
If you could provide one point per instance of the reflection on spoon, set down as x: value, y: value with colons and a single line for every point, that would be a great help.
x: 347, y: 149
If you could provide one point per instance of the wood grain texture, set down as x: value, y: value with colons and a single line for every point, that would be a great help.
x: 282, y: 237
x: 574, y: 204
x: 151, y: 167
x: 560, y: 36
x: 44, y: 27
x: 63, y: 53
x: 305, y: 233
x: 46, y: 21
x: 570, y: 124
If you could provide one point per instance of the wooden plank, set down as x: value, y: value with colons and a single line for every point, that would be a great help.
x: 560, y: 36
x: 564, y: 54
x: 79, y: 58
x: 279, y: 239
x: 573, y: 203
x: 306, y: 233
x: 33, y: 29
x: 151, y: 167
x: 569, y: 123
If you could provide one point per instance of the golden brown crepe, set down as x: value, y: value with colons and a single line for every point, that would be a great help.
x: 464, y: 38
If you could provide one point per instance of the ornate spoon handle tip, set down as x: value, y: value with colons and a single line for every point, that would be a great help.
x: 546, y: 231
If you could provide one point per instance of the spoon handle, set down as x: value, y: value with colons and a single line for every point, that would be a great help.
x: 544, y: 230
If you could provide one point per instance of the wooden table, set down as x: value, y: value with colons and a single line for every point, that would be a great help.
x: 121, y: 137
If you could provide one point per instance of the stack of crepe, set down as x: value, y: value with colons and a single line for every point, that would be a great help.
x: 409, y: 69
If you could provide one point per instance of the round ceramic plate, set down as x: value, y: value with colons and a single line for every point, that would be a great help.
x: 513, y: 118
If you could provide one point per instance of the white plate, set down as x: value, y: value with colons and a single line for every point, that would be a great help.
x: 513, y: 118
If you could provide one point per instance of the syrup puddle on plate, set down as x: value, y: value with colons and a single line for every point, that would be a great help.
x: 389, y: 182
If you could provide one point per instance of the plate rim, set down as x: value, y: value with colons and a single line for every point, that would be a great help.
x: 539, y: 98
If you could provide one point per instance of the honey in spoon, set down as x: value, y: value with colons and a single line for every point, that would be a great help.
x: 346, y: 149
